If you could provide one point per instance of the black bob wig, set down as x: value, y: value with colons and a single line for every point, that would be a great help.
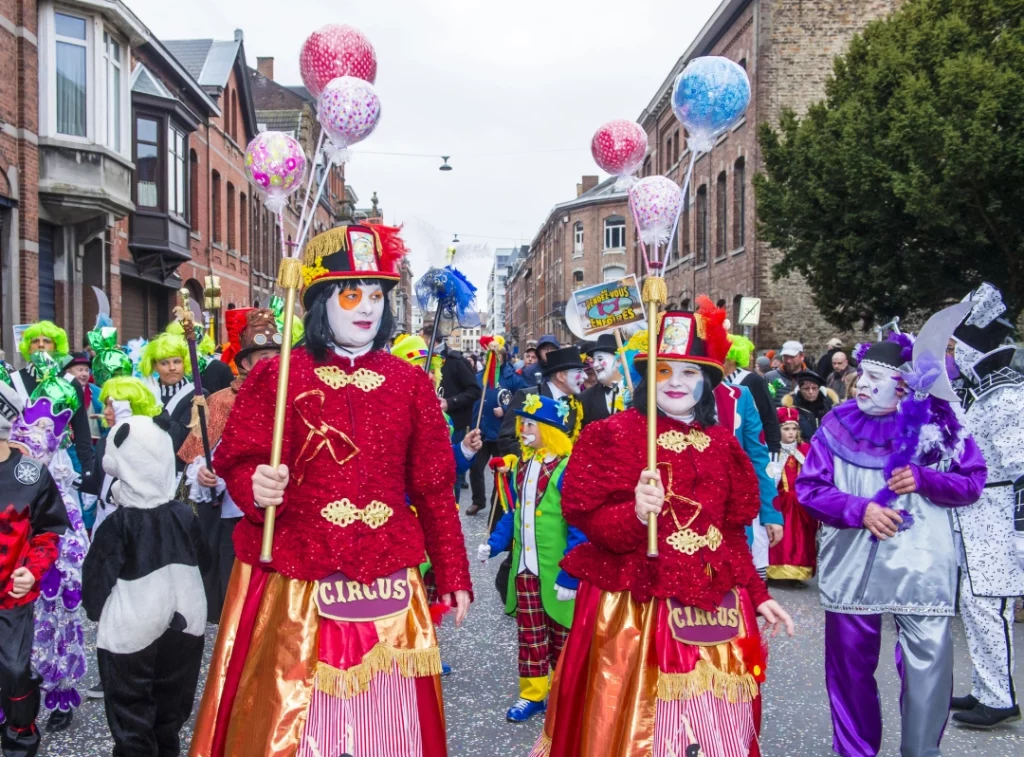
x: 319, y: 339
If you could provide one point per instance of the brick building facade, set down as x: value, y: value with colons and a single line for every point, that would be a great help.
x: 787, y: 48
x: 122, y: 168
x: 583, y: 241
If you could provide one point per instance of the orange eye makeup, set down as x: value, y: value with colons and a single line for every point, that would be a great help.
x: 350, y: 298
x: 663, y: 372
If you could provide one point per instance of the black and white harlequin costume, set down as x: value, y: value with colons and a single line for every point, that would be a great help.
x: 142, y: 583
x: 991, y: 530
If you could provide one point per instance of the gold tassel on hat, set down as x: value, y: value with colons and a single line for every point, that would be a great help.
x: 324, y: 244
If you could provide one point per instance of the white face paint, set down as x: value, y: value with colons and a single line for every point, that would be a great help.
x: 604, y: 367
x: 575, y: 378
x: 355, y: 315
x: 680, y: 386
x: 530, y: 435
x: 878, y: 389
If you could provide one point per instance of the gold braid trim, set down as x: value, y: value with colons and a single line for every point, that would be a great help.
x: 327, y: 243
x: 705, y: 677
x: 345, y: 684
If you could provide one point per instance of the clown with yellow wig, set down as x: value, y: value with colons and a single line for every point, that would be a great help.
x: 539, y: 593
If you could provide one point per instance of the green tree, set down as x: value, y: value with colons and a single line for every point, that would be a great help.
x: 905, y: 185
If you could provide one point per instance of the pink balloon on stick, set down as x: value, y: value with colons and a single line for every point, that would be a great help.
x: 348, y: 110
x: 276, y: 164
x: 619, y: 147
x: 336, y: 50
x: 655, y: 202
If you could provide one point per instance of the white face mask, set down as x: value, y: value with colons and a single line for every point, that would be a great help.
x: 877, y: 389
x: 530, y: 436
x: 575, y: 377
x: 604, y: 367
x: 680, y: 386
x: 355, y: 315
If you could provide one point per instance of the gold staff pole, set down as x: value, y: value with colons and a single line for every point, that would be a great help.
x: 289, y: 278
x: 655, y: 294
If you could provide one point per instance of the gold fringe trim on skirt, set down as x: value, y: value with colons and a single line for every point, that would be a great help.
x: 345, y: 684
x: 732, y: 687
x: 790, y: 573
x: 542, y: 747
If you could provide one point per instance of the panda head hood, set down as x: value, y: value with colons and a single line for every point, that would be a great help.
x: 140, y: 455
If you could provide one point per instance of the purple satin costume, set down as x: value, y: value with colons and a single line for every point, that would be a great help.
x: 912, y: 575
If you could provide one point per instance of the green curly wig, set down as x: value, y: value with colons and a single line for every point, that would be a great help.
x: 44, y: 328
x: 740, y: 351
x: 131, y: 390
x: 205, y: 347
x: 165, y: 346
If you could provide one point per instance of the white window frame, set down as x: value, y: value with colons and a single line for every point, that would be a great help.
x: 96, y: 94
x: 577, y: 239
x: 609, y: 230
x: 616, y: 267
x: 114, y: 130
x: 173, y: 162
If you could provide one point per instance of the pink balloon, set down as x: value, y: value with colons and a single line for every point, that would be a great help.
x: 619, y: 147
x: 336, y: 50
x: 655, y: 201
x: 348, y: 110
x: 276, y: 164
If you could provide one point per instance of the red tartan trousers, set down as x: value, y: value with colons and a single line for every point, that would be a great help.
x: 540, y: 638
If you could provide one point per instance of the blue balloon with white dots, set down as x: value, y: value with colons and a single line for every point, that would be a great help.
x: 710, y: 96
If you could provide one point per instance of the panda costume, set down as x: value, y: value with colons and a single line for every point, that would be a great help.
x: 142, y: 584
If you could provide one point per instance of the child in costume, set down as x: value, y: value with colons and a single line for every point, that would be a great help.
x: 793, y: 558
x: 122, y: 397
x: 539, y: 593
x: 142, y: 584
x: 32, y: 521
x: 59, y: 650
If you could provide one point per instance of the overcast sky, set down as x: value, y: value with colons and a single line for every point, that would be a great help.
x: 471, y: 78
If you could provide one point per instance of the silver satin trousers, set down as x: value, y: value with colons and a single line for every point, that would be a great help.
x: 924, y: 659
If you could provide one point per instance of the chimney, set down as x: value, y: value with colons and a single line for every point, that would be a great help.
x: 589, y: 182
x: 239, y: 35
x: 266, y: 67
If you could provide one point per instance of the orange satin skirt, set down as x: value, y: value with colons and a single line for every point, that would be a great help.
x: 621, y: 677
x: 274, y: 653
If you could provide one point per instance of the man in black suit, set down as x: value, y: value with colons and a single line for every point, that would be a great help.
x: 562, y: 377
x: 599, y: 401
x: 459, y: 388
x: 47, y: 336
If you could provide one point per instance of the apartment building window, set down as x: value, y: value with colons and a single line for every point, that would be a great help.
x: 612, y: 272
x: 701, y: 232
x: 739, y: 203
x: 615, y: 233
x: 684, y: 223
x: 176, y: 178
x: 675, y: 145
x: 112, y: 63
x: 577, y: 240
x: 147, y: 162
x: 721, y: 215
x: 193, y: 182
x: 230, y: 216
x: 215, y: 206
x: 243, y: 222
x: 72, y: 52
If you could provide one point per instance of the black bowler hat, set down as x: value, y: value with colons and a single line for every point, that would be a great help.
x: 812, y: 376
x: 563, y: 359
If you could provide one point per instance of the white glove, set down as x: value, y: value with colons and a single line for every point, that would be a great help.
x: 483, y: 552
x: 563, y: 594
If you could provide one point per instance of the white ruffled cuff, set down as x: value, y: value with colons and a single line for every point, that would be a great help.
x: 196, y: 491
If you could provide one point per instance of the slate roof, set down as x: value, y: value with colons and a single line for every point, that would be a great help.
x: 145, y: 83
x: 279, y: 120
x: 209, y: 61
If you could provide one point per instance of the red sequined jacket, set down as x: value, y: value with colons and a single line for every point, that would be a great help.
x: 360, y: 435
x: 598, y: 498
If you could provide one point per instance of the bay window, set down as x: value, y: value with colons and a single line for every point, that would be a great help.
x: 71, y: 64
x: 112, y: 62
x: 147, y: 162
x: 176, y: 156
